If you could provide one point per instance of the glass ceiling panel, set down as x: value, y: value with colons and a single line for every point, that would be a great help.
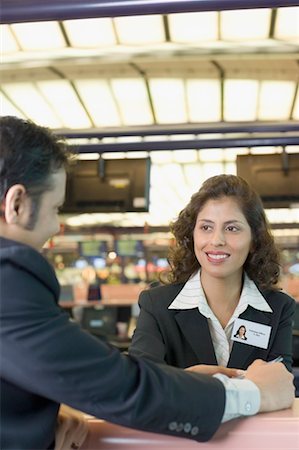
x: 63, y: 99
x: 39, y: 36
x: 90, y: 33
x: 32, y: 103
x: 240, y: 100
x: 140, y: 30
x: 8, y: 42
x: 99, y: 102
x: 204, y: 100
x: 245, y: 24
x: 276, y: 99
x: 132, y: 100
x: 287, y: 24
x: 193, y: 27
x: 185, y: 91
x: 8, y: 109
x: 169, y: 100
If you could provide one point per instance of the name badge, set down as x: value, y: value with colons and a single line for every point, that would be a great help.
x: 251, y: 333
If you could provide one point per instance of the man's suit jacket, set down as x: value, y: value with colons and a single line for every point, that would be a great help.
x: 182, y: 338
x: 46, y: 359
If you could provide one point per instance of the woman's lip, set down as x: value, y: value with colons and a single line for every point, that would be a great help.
x: 217, y: 256
x: 217, y: 253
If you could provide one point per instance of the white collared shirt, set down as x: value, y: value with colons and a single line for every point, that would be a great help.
x: 192, y: 296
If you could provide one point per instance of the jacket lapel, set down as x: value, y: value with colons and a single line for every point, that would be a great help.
x: 194, y: 327
x: 242, y: 353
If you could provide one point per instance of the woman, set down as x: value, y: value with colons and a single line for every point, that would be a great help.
x: 241, y: 333
x: 223, y: 268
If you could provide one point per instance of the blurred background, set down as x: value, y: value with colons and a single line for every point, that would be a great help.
x: 154, y: 104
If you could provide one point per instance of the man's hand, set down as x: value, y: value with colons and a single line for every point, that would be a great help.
x: 212, y: 370
x: 275, y: 384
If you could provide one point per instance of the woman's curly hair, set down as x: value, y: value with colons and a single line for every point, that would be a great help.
x: 262, y: 264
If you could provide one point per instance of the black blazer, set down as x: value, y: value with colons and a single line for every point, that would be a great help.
x: 47, y: 359
x: 182, y: 338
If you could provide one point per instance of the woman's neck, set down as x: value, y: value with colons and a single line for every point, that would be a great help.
x: 222, y: 295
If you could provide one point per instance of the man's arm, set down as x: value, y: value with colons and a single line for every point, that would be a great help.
x: 264, y: 388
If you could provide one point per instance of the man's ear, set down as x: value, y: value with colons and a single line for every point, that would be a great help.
x: 14, y: 203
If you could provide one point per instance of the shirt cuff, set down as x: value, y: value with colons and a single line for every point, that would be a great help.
x: 242, y: 397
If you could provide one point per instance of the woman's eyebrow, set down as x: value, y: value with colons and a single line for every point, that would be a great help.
x: 225, y: 223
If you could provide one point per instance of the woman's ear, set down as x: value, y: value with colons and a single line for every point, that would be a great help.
x: 15, y: 203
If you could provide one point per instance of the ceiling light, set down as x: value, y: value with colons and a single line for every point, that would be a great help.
x: 65, y: 102
x: 90, y: 33
x: 204, y: 100
x: 139, y: 30
x: 287, y: 23
x: 32, y: 103
x: 39, y: 35
x: 8, y: 109
x: 99, y: 101
x: 276, y: 99
x: 245, y: 24
x: 283, y: 215
x: 193, y: 27
x: 169, y: 100
x: 8, y: 42
x: 162, y: 157
x: 133, y: 102
x: 240, y: 100
x: 185, y: 156
x: 211, y: 155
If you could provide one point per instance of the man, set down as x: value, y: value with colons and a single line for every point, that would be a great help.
x: 47, y: 360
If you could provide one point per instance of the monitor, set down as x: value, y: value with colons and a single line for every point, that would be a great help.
x: 100, y: 320
x: 274, y: 177
x: 129, y: 247
x: 115, y: 185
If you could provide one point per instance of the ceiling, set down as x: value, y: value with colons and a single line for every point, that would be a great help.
x: 201, y: 68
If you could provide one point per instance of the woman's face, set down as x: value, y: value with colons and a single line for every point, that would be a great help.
x: 222, y: 239
x: 241, y: 331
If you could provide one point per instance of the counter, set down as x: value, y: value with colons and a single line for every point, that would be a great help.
x: 277, y: 430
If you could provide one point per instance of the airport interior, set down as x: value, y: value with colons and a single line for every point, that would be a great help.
x: 153, y: 102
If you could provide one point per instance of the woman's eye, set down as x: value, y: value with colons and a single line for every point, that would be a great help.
x: 232, y: 228
x: 205, y: 227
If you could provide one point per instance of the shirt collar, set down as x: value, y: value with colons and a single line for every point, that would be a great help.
x: 192, y: 296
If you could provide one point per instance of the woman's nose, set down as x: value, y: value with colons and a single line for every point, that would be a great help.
x: 218, y: 238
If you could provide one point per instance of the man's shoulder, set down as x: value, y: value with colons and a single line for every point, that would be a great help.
x: 19, y: 261
x: 20, y: 255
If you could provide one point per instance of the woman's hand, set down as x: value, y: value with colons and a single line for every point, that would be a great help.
x: 212, y: 370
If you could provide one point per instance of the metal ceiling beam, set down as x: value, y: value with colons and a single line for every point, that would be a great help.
x: 168, y: 130
x: 13, y: 11
x: 261, y: 141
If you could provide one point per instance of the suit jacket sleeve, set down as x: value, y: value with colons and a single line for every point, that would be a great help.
x: 46, y: 354
x: 147, y: 341
x: 282, y: 342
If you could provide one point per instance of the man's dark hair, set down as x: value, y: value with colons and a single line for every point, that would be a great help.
x: 29, y: 155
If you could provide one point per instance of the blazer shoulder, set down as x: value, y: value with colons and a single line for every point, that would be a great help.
x: 279, y: 298
x: 160, y: 295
